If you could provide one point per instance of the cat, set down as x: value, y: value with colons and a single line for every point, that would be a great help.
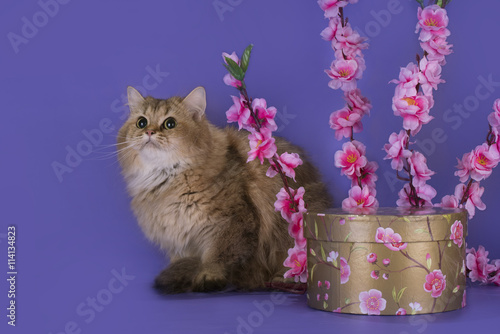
x: 197, y: 198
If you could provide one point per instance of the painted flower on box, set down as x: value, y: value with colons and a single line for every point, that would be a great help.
x: 435, y: 283
x: 401, y: 311
x: 372, y: 257
x: 371, y: 302
x: 457, y: 233
x: 345, y: 271
x: 415, y: 307
x: 390, y: 239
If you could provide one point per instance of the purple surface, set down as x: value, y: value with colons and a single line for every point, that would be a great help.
x: 73, y: 233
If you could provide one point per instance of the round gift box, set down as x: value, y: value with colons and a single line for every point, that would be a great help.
x: 386, y: 261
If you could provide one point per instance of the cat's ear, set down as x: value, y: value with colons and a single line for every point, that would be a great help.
x: 196, y: 102
x: 135, y: 99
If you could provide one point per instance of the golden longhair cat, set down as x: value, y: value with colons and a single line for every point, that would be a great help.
x: 195, y: 196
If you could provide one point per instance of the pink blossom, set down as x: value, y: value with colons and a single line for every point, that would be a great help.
x: 345, y: 72
x: 357, y: 102
x: 464, y: 299
x: 371, y: 302
x: 386, y: 262
x: 473, y: 197
x: 391, y: 240
x: 408, y: 80
x: 437, y: 48
x: 264, y: 114
x: 496, y: 278
x: 414, y: 110
x: 349, y: 41
x: 368, y: 176
x: 374, y: 274
x: 318, y: 297
x: 396, y: 149
x: 385, y: 276
x: 338, y: 310
x: 331, y: 7
x: 494, y: 117
x: 285, y: 204
x: 372, y: 257
x: 327, y: 285
x: 457, y: 233
x: 433, y: 21
x: 238, y: 112
x: 262, y: 145
x: 296, y: 230
x: 426, y: 193
x: 326, y: 296
x: 435, y: 283
x: 360, y: 198
x: 401, y: 311
x: 351, y: 159
x: 464, y: 166
x: 319, y: 284
x: 478, y: 264
x: 449, y: 201
x: 228, y: 78
x: 329, y: 32
x: 419, y: 169
x: 345, y: 271
x: 429, y: 76
x: 344, y: 122
x: 297, y: 262
x: 288, y: 162
x: 482, y: 160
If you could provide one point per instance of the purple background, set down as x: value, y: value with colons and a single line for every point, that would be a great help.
x: 70, y: 76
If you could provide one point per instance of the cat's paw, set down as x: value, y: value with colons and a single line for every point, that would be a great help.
x: 209, y: 280
x: 178, y: 277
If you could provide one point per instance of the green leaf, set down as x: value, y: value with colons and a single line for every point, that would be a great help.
x: 421, y: 2
x: 456, y: 289
x: 234, y: 69
x: 347, y: 236
x: 347, y: 301
x: 449, y: 243
x: 316, y: 229
x: 406, y: 220
x: 429, y: 263
x: 394, y: 294
x: 439, y: 3
x: 325, y: 305
x: 245, y: 58
x: 323, y: 255
x: 312, y: 271
x: 313, y: 253
x: 421, y: 230
x: 400, y: 294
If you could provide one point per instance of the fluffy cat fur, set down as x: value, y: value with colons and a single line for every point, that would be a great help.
x: 195, y: 196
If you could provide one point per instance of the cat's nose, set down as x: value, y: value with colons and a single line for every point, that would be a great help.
x: 150, y: 132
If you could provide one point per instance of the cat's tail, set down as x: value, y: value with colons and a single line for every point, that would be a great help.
x: 178, y: 276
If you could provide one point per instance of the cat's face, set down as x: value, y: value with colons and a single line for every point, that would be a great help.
x: 163, y: 133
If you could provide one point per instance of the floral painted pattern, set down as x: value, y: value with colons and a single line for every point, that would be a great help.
x: 391, y: 240
x: 435, y: 283
x: 371, y: 302
x: 345, y: 271
x: 457, y: 233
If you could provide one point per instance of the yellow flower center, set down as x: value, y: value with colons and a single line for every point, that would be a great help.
x: 360, y: 201
x: 482, y: 160
x: 297, y: 263
x: 373, y: 303
x: 430, y: 22
x: 437, y: 283
x: 352, y: 158
x: 344, y: 73
x: 410, y: 100
x: 258, y: 143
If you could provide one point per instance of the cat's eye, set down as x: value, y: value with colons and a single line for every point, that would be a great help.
x: 141, y: 123
x: 169, y: 123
